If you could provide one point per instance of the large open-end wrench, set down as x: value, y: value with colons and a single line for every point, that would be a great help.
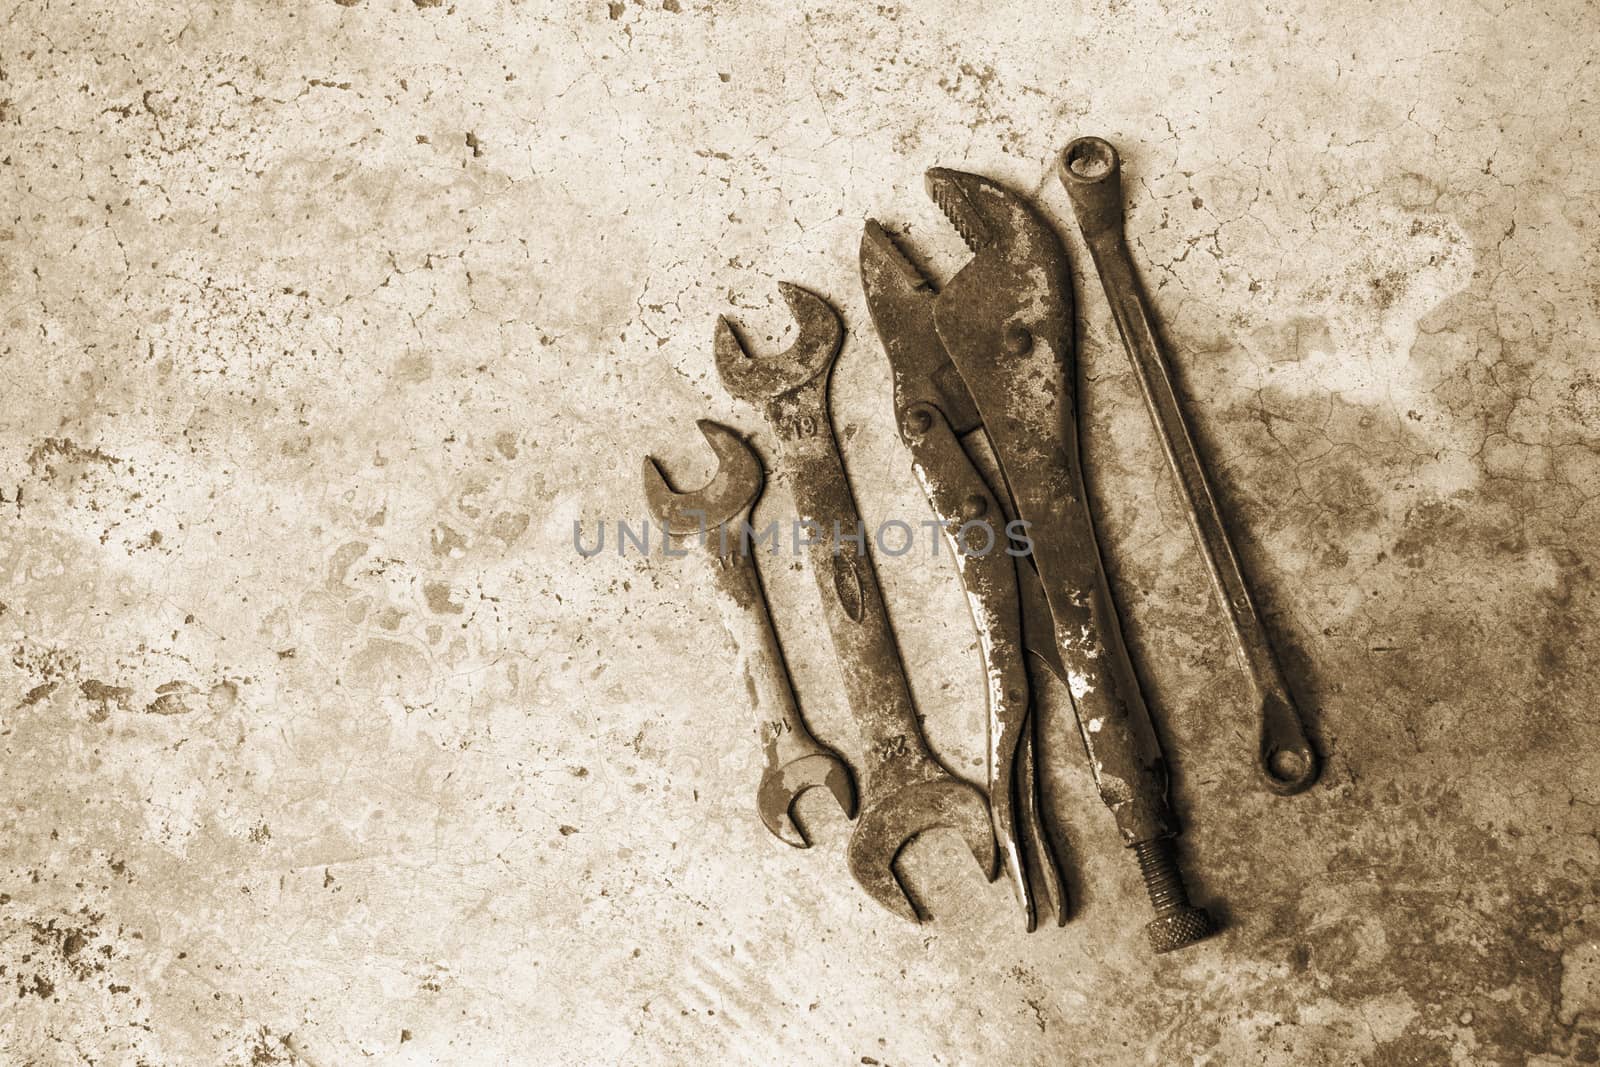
x: 1092, y: 174
x: 719, y: 514
x: 904, y: 790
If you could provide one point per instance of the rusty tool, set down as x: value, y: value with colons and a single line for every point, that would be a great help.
x: 1092, y: 173
x: 1005, y: 322
x: 718, y: 514
x: 933, y: 410
x: 904, y: 790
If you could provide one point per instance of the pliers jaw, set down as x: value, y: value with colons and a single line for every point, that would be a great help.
x: 934, y: 407
x: 1010, y: 294
x: 1013, y: 292
x: 901, y: 300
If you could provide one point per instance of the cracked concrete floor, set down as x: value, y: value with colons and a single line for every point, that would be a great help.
x: 323, y: 323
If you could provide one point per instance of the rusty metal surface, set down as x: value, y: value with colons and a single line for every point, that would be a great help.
x: 1092, y: 173
x: 904, y: 789
x: 1005, y: 321
x: 926, y: 388
x: 717, y: 517
x: 363, y: 763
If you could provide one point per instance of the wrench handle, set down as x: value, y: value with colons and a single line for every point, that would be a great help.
x: 959, y: 495
x: 781, y: 731
x: 852, y: 602
x: 1091, y: 172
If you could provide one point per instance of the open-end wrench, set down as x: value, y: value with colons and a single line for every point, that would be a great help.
x: 904, y: 790
x: 719, y: 515
x: 1092, y: 174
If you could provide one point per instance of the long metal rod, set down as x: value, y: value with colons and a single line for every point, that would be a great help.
x: 1092, y: 174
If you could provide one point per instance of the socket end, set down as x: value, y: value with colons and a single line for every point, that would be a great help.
x: 1089, y: 160
x: 1091, y: 171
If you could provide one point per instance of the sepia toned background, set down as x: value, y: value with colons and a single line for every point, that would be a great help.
x: 322, y: 323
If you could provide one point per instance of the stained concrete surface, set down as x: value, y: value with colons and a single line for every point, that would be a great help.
x: 323, y: 323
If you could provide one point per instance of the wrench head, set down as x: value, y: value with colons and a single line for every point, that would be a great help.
x: 1091, y: 172
x: 889, y: 825
x: 757, y: 379
x: 781, y: 787
x: 731, y: 490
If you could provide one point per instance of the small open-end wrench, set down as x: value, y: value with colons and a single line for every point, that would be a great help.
x: 718, y: 514
x: 1092, y: 173
x: 904, y: 790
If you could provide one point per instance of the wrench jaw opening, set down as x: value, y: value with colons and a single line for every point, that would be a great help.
x: 730, y: 492
x: 889, y: 824
x: 781, y: 786
x: 759, y: 379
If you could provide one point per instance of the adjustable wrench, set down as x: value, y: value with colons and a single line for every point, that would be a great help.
x: 795, y: 761
x: 904, y: 790
x: 1092, y: 174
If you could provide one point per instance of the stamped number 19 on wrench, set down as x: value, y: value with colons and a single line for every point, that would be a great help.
x: 904, y: 790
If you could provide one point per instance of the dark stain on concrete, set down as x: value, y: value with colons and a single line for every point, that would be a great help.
x: 105, y: 697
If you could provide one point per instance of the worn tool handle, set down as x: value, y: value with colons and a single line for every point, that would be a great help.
x: 1091, y: 172
x: 1113, y: 719
x: 781, y: 731
x: 1025, y: 389
x: 852, y: 602
x: 959, y: 497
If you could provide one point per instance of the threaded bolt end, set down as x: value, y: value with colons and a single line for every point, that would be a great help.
x: 1177, y: 922
x: 1158, y: 862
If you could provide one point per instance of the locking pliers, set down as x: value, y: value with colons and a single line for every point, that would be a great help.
x: 994, y: 351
